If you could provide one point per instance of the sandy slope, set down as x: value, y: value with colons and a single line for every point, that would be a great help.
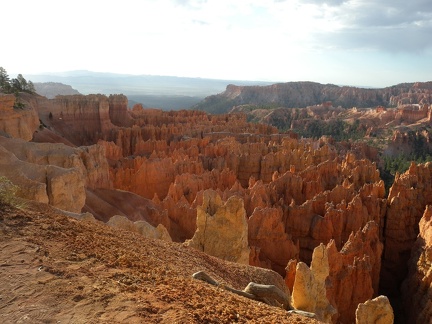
x: 55, y: 269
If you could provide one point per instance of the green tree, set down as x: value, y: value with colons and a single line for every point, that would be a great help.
x: 21, y: 84
x: 30, y: 87
x: 15, y: 85
x: 4, y: 80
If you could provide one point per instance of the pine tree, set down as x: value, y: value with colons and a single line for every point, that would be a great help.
x: 4, y: 80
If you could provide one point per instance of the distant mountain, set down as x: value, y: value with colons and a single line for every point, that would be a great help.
x: 303, y: 94
x: 164, y: 102
x: 53, y: 89
x: 180, y: 92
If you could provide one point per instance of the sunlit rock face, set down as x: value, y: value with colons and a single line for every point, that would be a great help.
x: 222, y: 228
x: 347, y: 277
x: 377, y: 310
x: 417, y: 288
x: 409, y: 195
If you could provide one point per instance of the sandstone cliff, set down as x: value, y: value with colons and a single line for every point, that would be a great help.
x: 354, y: 271
x: 60, y: 187
x: 17, y: 122
x: 410, y: 193
x: 417, y: 288
x: 303, y: 94
x: 63, y: 112
x: 53, y: 89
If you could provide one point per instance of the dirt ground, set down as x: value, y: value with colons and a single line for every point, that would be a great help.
x: 56, y: 269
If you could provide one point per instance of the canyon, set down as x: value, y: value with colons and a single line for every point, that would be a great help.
x: 314, y: 212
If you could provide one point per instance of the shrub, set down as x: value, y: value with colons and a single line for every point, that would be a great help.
x: 8, y: 194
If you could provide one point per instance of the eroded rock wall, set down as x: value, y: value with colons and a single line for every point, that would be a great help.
x: 417, y: 288
x: 17, y: 122
x: 409, y: 195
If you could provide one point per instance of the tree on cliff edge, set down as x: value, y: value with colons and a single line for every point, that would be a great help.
x: 4, y: 81
x: 21, y: 84
x: 16, y: 85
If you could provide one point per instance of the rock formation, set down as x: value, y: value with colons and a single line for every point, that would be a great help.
x: 90, y: 161
x: 409, y: 195
x: 63, y: 112
x: 272, y: 246
x: 141, y: 227
x: 354, y: 271
x: 221, y: 228
x: 309, y: 291
x: 63, y: 188
x: 417, y: 288
x: 348, y: 277
x: 53, y: 89
x: 17, y: 122
x: 237, y: 190
x: 375, y: 311
x: 303, y: 94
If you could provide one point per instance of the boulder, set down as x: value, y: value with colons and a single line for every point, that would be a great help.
x: 375, y: 311
x: 141, y: 227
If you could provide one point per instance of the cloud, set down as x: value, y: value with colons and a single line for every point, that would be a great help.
x: 324, y: 2
x: 189, y: 3
x: 388, y: 25
x: 388, y: 13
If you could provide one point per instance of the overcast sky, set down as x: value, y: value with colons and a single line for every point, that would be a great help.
x: 355, y: 42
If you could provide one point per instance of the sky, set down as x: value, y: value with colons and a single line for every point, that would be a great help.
x: 373, y: 43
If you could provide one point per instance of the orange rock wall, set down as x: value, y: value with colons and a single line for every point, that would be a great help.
x: 417, y: 288
x: 409, y: 195
x: 17, y: 122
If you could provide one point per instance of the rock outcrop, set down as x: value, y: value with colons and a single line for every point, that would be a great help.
x: 272, y: 246
x: 17, y: 122
x: 309, y: 291
x: 141, y: 227
x: 90, y: 161
x: 63, y: 188
x: 303, y: 94
x: 221, y: 228
x: 417, y: 288
x: 348, y: 277
x: 354, y: 271
x: 375, y: 311
x: 53, y: 89
x: 409, y: 195
x: 80, y: 119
